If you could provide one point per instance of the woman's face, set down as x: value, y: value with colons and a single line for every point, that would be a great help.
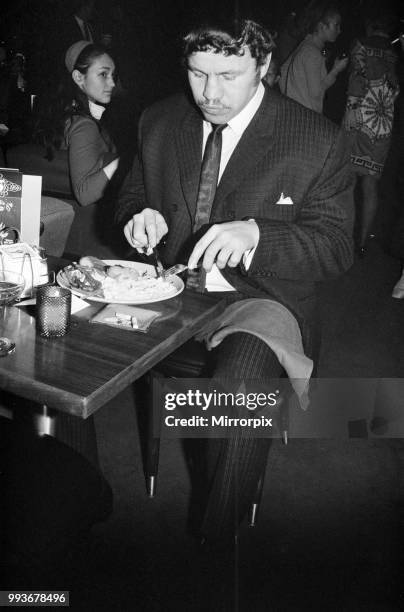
x: 98, y: 82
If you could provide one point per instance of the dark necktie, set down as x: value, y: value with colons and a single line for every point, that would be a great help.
x: 206, y: 194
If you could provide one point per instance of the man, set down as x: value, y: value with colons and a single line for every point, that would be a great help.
x: 304, y: 76
x: 281, y: 218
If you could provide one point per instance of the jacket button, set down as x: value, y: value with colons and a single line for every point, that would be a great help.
x: 231, y: 214
x: 174, y: 207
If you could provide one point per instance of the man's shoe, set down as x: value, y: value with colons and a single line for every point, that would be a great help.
x: 398, y: 291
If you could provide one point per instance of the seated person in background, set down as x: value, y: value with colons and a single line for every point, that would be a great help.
x: 3, y: 92
x: 14, y: 101
x: 72, y: 121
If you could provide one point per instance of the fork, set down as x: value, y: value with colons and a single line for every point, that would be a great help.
x: 176, y: 269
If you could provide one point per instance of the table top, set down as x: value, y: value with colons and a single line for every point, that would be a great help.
x: 83, y: 370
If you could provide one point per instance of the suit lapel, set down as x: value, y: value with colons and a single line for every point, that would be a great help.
x: 189, y: 152
x: 255, y: 142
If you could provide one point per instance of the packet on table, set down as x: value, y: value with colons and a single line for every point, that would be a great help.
x: 127, y: 317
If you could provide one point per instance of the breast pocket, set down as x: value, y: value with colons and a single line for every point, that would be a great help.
x: 280, y: 212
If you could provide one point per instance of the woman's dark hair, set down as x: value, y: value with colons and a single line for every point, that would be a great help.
x: 316, y: 12
x: 60, y: 105
x: 230, y: 39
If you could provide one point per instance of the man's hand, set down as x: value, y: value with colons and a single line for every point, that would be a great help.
x: 225, y: 244
x: 145, y: 229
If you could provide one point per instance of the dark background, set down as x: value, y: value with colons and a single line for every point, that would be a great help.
x: 148, y: 40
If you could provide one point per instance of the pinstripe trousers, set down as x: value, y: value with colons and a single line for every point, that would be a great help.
x: 235, y: 464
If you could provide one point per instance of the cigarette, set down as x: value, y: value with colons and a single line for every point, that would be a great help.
x: 123, y: 316
x: 397, y: 39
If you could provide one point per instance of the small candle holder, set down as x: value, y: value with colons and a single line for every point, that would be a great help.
x: 53, y: 308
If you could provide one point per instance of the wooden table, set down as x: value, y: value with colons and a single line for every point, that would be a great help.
x: 82, y: 371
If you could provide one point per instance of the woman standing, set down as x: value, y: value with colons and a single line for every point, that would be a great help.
x: 74, y: 121
x: 372, y: 90
x: 304, y: 75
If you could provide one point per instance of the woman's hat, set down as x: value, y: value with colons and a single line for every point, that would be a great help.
x: 73, y: 52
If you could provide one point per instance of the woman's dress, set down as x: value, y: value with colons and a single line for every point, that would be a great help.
x: 372, y: 90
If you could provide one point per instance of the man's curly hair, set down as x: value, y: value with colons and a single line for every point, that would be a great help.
x: 230, y: 39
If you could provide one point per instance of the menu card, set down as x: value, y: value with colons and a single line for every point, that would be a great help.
x: 20, y: 203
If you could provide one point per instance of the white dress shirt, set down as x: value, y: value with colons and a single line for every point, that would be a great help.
x: 231, y: 135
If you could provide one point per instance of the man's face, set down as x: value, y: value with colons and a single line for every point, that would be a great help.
x: 223, y: 85
x: 332, y: 28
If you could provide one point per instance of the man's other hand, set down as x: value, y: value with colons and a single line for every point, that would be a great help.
x: 225, y: 244
x: 145, y: 230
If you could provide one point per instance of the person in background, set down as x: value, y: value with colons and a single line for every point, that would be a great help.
x: 4, y: 78
x: 372, y: 90
x: 273, y: 74
x: 257, y: 189
x: 288, y: 35
x: 304, y: 75
x: 395, y: 177
x: 72, y: 120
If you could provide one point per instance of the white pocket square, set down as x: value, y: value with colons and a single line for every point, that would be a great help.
x: 283, y: 200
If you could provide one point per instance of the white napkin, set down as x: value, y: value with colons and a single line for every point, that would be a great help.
x: 77, y: 303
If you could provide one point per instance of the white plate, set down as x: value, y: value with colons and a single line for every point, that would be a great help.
x: 140, y: 267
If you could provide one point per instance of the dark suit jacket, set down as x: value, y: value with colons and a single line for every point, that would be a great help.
x: 287, y: 150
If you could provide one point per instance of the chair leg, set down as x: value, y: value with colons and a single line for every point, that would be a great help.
x: 253, y: 514
x: 153, y: 443
x: 283, y: 416
x: 153, y: 452
x: 44, y: 422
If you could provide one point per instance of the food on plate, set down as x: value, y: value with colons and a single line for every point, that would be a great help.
x: 89, y: 261
x: 116, y: 282
x: 82, y: 278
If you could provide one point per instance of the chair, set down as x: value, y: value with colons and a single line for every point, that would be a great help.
x: 57, y: 214
x: 57, y: 217
x: 68, y: 227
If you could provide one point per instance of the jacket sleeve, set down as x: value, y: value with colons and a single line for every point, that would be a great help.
x: 87, y: 158
x: 318, y: 244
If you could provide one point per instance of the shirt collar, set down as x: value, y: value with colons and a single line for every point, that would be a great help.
x: 96, y: 110
x: 240, y: 122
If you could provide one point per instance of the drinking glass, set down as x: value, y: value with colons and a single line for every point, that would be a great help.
x: 11, y: 287
x: 53, y: 308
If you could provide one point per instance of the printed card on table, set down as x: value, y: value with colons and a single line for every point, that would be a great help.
x: 20, y: 203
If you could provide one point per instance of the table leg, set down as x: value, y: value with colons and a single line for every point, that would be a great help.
x: 45, y: 422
